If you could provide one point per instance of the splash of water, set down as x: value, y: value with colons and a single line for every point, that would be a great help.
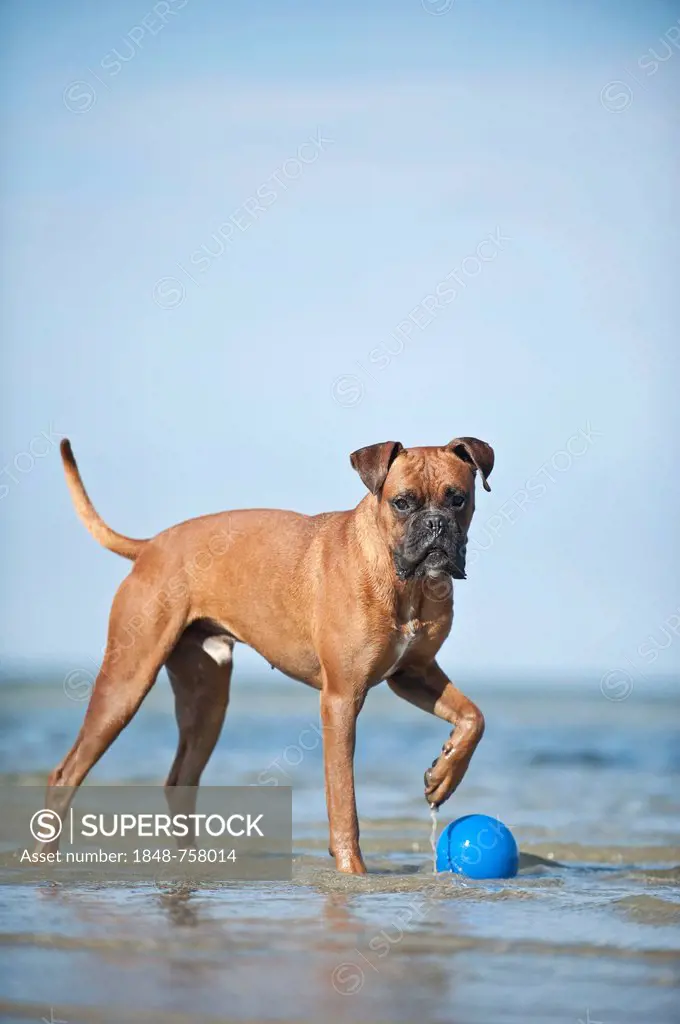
x: 433, y: 837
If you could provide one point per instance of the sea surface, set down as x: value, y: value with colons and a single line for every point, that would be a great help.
x: 589, y: 930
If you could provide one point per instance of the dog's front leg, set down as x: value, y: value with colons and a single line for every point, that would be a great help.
x: 339, y: 713
x: 430, y: 689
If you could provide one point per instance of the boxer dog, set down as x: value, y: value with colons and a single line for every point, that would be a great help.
x: 340, y: 601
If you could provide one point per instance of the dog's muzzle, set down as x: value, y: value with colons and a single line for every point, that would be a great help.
x: 432, y: 545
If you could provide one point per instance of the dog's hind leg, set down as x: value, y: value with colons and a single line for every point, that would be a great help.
x: 200, y: 673
x: 143, y: 628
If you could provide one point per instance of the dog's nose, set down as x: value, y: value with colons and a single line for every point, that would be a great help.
x: 435, y: 523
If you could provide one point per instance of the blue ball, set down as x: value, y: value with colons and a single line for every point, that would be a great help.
x: 478, y: 846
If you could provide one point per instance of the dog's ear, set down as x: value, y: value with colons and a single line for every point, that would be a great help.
x: 478, y: 453
x: 372, y: 463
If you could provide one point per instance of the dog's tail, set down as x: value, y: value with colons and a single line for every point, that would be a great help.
x: 127, y: 547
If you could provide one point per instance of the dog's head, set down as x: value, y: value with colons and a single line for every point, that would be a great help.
x: 425, y: 500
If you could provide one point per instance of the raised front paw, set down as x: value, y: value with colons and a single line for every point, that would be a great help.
x: 443, y: 778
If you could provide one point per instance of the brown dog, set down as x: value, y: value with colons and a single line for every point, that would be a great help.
x: 340, y: 601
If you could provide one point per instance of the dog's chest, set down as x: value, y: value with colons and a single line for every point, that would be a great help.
x: 408, y: 636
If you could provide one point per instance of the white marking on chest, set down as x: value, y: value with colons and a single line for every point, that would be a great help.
x: 218, y: 648
x: 408, y: 634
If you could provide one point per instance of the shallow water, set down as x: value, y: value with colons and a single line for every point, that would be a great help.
x: 588, y: 931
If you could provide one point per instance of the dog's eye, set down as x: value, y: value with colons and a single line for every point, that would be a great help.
x: 401, y: 504
x: 456, y: 500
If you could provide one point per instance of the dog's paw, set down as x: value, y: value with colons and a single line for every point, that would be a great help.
x: 443, y: 778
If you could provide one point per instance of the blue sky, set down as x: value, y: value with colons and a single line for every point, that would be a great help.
x: 140, y: 138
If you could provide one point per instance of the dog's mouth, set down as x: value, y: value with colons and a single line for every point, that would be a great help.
x: 437, y: 558
x: 442, y: 560
x: 435, y: 561
x: 438, y: 561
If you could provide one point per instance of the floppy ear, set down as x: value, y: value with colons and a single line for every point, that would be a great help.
x: 372, y: 463
x: 478, y: 453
